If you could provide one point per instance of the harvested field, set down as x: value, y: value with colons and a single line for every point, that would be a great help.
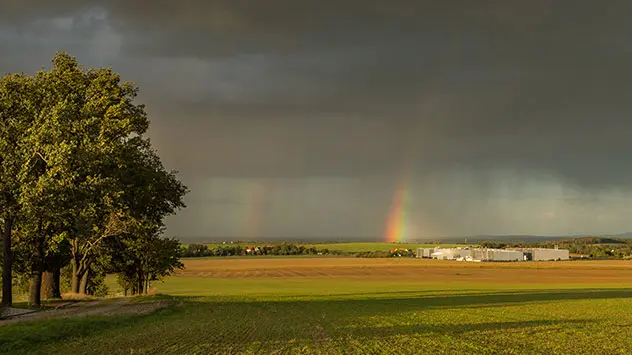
x: 407, y: 269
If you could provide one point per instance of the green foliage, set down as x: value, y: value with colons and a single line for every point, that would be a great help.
x: 374, y: 254
x: 97, y: 286
x: 230, y: 249
x: 592, y: 247
x: 16, y: 116
x: 355, y: 247
x: 75, y: 164
x: 66, y: 279
x: 21, y: 283
x: 142, y: 258
x: 254, y: 249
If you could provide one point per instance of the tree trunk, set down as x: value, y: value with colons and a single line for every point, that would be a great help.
x: 79, y: 276
x: 36, y: 274
x: 141, y: 284
x: 35, y: 288
x: 50, y: 284
x: 76, y: 277
x: 83, y: 287
x: 7, y: 264
x: 56, y: 282
x: 47, y: 285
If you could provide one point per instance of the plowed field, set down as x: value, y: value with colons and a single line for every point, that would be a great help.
x: 407, y: 269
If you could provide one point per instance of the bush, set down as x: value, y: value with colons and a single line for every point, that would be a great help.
x: 373, y: 254
x: 96, y: 286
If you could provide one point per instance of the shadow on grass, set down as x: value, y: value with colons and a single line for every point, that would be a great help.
x: 450, y: 293
x: 28, y: 335
x: 320, y: 319
x: 428, y: 299
x: 221, y: 320
x: 504, y: 298
x: 456, y: 329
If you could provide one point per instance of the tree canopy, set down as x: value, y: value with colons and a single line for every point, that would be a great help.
x: 76, y: 170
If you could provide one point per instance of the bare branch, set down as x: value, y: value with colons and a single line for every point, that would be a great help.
x: 115, y: 226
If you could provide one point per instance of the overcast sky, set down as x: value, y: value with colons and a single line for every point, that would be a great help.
x: 290, y: 118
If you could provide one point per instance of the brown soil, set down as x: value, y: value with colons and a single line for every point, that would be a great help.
x: 412, y: 269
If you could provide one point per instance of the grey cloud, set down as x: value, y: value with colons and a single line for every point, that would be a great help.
x: 500, y: 108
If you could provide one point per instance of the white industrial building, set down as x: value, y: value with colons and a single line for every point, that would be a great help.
x: 543, y: 254
x: 485, y: 254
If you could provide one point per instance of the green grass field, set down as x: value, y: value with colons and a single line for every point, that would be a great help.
x: 338, y: 316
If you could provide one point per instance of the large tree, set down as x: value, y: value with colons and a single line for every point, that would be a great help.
x: 151, y: 194
x: 82, y: 171
x: 146, y: 194
x: 45, y: 176
x: 16, y: 116
x: 118, y: 179
x: 86, y: 119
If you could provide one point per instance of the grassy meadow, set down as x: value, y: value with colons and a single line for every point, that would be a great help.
x: 360, y: 306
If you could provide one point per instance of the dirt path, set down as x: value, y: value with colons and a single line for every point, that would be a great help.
x: 107, y: 307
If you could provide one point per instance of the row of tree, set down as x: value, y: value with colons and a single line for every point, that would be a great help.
x: 203, y: 250
x: 592, y: 247
x: 80, y: 183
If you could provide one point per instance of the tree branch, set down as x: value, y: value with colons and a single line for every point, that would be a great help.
x: 113, y: 227
x: 40, y: 155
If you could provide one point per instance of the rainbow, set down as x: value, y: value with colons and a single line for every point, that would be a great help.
x: 396, y: 224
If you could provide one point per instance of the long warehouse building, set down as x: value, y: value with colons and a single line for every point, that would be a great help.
x: 486, y: 254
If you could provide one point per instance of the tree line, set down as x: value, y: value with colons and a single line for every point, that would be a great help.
x: 203, y: 250
x: 82, y: 190
x: 591, y: 247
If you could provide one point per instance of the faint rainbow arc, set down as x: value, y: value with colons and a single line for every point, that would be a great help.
x: 257, y: 194
x: 397, y: 218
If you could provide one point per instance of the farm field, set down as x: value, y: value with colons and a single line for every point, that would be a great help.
x: 365, y: 306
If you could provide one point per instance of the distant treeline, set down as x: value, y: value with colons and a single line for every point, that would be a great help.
x: 202, y: 250
x: 588, y: 247
x: 591, y: 247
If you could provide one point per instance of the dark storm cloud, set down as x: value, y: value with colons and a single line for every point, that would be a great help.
x: 531, y: 84
x: 468, y: 94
